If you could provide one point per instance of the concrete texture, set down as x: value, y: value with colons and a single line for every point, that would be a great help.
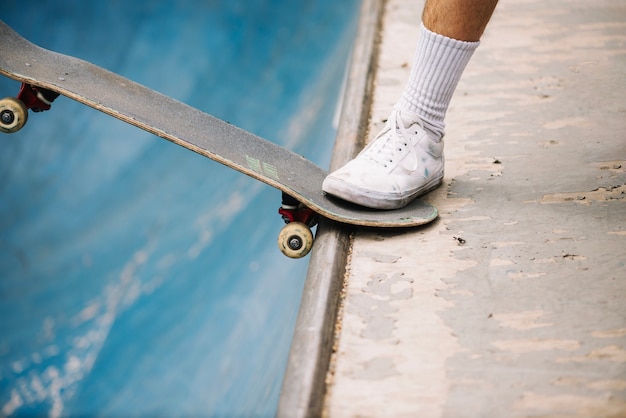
x: 513, y: 303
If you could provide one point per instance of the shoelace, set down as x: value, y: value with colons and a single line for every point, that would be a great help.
x: 388, y: 148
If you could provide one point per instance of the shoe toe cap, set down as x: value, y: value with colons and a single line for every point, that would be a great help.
x: 369, y: 185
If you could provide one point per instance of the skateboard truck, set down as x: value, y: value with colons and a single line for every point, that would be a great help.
x: 14, y: 111
x: 296, y: 239
x: 36, y: 98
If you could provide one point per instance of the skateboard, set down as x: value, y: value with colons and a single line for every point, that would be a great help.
x: 46, y: 74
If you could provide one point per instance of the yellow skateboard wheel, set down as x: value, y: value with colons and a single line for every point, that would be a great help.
x: 13, y: 115
x: 295, y: 240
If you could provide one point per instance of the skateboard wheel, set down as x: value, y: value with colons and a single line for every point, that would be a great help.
x: 295, y: 240
x: 13, y: 115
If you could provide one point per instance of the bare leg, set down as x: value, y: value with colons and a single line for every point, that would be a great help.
x: 464, y: 20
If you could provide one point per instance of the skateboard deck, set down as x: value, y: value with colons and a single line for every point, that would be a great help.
x: 193, y: 129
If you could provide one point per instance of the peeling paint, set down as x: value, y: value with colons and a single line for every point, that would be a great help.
x: 530, y: 345
x: 610, y: 333
x: 521, y: 320
x: 381, y: 257
x: 613, y: 353
x: 600, y: 194
x: 571, y: 405
x: 376, y: 369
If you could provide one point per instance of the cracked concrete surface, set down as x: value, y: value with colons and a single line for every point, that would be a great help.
x: 513, y: 303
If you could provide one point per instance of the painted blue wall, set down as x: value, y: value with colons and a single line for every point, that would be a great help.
x: 136, y: 277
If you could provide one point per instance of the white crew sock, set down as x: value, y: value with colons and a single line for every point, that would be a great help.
x: 437, y: 67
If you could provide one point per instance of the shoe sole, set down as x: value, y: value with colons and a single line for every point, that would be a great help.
x: 371, y: 200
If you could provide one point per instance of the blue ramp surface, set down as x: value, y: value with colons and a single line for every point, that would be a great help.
x: 136, y: 277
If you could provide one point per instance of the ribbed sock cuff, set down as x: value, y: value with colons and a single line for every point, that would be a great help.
x: 438, y: 64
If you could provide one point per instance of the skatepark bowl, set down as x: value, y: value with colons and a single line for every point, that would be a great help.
x: 138, y: 278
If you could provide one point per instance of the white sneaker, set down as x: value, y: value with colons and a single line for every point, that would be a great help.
x: 403, y: 162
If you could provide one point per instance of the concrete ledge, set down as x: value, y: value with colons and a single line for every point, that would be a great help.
x: 304, y: 383
x: 511, y: 304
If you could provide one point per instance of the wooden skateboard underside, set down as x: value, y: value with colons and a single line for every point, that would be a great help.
x: 191, y: 128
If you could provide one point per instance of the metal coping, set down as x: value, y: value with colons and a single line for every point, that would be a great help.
x: 304, y: 383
